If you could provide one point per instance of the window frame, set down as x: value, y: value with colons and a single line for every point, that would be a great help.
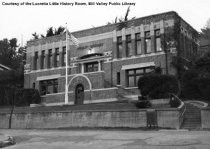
x: 129, y: 51
x: 119, y: 50
x: 138, y: 40
x: 46, y: 84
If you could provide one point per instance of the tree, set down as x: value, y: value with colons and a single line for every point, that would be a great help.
x: 205, y: 31
x: 50, y: 32
x: 59, y: 31
x: 35, y: 36
x: 122, y: 19
x: 11, y: 80
x: 196, y: 80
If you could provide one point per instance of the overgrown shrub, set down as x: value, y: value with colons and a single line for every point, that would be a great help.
x: 143, y: 104
x: 158, y: 86
x: 174, y: 103
x: 195, y: 86
x: 27, y: 97
x: 18, y: 97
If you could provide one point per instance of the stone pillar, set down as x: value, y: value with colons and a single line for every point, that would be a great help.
x: 46, y: 66
x: 142, y: 39
x: 123, y: 78
x: 114, y: 46
x: 82, y: 68
x: 162, y: 37
x: 33, y: 60
x: 152, y: 35
x: 40, y: 60
x: 99, y: 65
x: 133, y: 40
x: 123, y: 43
x: 53, y: 55
x: 60, y: 56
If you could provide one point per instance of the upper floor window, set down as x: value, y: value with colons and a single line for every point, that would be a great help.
x: 119, y: 47
x: 64, y: 56
x: 43, y: 59
x: 35, y: 60
x: 128, y: 46
x: 56, y: 57
x: 91, y: 67
x: 138, y: 44
x: 50, y: 58
x: 148, y: 42
x: 157, y: 41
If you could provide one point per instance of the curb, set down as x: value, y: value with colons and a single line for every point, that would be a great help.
x: 8, y: 142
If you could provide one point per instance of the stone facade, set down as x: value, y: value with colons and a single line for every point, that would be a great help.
x: 109, y: 59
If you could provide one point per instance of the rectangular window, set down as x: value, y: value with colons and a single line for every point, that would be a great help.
x: 148, y: 42
x: 118, y: 78
x: 91, y: 67
x: 133, y: 75
x: 43, y: 59
x: 138, y: 44
x: 35, y: 60
x: 50, y: 58
x: 64, y: 56
x: 119, y: 47
x: 56, y: 57
x: 49, y: 86
x: 128, y: 46
x: 157, y: 41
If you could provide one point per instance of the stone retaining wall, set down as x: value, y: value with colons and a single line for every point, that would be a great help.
x: 166, y: 118
x: 205, y: 118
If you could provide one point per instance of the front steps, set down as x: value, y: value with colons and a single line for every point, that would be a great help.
x: 192, y: 118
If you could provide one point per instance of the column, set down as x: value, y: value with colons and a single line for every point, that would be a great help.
x: 114, y: 46
x: 123, y: 43
x: 53, y: 55
x: 82, y: 68
x: 162, y: 37
x: 133, y: 40
x: 142, y: 39
x: 46, y: 64
x: 32, y: 61
x: 99, y: 65
x: 152, y: 35
x: 60, y: 56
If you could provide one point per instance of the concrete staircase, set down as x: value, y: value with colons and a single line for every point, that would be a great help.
x: 192, y: 117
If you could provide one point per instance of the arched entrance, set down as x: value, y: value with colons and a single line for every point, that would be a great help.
x: 79, y: 94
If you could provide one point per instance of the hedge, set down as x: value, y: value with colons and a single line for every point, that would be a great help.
x: 23, y: 97
x: 158, y: 86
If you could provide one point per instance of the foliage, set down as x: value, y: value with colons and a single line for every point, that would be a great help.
x: 122, y: 20
x: 205, y: 31
x: 50, y: 32
x: 18, y: 97
x: 174, y: 102
x: 143, y: 104
x: 158, y: 86
x: 27, y: 97
x: 35, y: 35
x: 196, y: 81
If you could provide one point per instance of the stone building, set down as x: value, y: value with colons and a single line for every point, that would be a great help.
x: 110, y: 59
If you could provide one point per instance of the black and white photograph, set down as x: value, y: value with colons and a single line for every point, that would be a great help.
x: 105, y: 74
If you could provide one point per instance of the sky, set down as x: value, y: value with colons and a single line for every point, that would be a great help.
x: 23, y: 20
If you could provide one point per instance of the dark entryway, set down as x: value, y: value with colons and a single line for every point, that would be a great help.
x: 79, y: 94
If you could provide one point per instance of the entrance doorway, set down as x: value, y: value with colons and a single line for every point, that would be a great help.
x: 79, y: 94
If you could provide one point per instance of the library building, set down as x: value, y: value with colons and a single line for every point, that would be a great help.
x: 109, y: 60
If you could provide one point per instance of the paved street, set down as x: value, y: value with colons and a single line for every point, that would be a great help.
x: 108, y: 139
